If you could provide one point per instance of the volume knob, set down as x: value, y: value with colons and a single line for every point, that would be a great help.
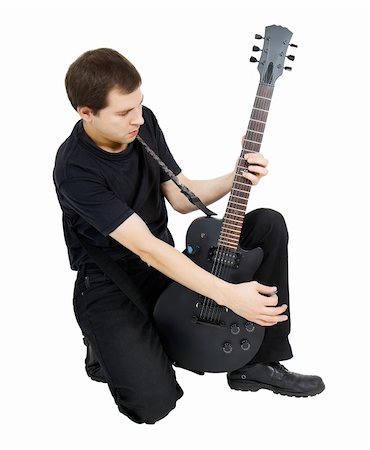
x: 249, y: 326
x: 234, y: 328
x: 245, y: 345
x: 227, y: 347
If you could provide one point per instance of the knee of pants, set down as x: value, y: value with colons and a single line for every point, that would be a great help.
x: 149, y: 407
x: 272, y: 221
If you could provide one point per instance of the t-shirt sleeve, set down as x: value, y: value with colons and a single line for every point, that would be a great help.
x: 95, y: 203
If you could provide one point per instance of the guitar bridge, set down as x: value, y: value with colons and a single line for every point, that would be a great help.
x: 212, y: 323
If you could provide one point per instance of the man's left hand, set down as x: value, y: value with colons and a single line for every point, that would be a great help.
x: 256, y: 168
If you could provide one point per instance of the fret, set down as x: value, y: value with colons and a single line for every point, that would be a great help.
x: 243, y: 203
x: 257, y: 127
x: 254, y: 136
x: 230, y: 246
x: 260, y: 96
x: 233, y: 235
x: 245, y: 182
x: 249, y: 140
x: 261, y: 104
x: 242, y: 168
x: 225, y: 227
x: 238, y: 196
x: 236, y: 209
x: 230, y: 241
x: 240, y: 190
x: 225, y: 248
x: 232, y: 214
x: 230, y: 222
x: 229, y: 238
x: 234, y: 204
x: 260, y: 109
x: 259, y: 115
x: 254, y: 131
x: 265, y: 89
x: 254, y: 146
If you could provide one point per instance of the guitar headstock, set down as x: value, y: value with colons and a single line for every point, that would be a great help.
x: 273, y: 54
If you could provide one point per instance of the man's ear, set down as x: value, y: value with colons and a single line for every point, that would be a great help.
x: 85, y: 113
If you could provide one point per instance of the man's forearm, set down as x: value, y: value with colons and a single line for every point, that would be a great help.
x: 209, y: 191
x: 134, y: 234
x: 179, y: 267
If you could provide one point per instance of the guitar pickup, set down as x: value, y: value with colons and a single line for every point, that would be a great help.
x: 224, y: 257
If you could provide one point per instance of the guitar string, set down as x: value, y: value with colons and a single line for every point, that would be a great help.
x: 223, y: 271
x: 220, y: 269
x: 230, y: 254
x: 257, y: 116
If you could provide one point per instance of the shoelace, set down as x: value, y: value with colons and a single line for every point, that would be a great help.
x: 277, y: 365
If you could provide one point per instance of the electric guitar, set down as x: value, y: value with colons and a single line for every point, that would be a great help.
x: 197, y: 333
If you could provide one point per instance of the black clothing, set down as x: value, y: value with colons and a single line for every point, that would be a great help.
x: 139, y: 373
x: 98, y: 190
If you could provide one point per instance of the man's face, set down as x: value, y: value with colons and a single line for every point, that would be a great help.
x: 115, y: 126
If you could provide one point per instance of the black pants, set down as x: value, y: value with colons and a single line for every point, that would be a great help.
x: 140, y: 376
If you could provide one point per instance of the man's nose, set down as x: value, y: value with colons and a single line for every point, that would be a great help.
x: 137, y: 118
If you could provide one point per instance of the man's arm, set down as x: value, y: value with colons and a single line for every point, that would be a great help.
x: 212, y: 190
x: 208, y: 191
x: 244, y: 299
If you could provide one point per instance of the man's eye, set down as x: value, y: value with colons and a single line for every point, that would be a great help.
x: 123, y: 114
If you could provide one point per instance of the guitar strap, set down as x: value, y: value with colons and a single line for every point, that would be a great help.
x: 110, y: 267
x: 184, y: 190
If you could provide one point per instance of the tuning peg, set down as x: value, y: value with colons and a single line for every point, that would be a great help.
x: 255, y: 48
x: 291, y: 57
x: 293, y: 45
x: 287, y: 68
x: 253, y: 59
x: 258, y: 36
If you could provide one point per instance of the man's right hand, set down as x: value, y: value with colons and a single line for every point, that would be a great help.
x: 254, y: 302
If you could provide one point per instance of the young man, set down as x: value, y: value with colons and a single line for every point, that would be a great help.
x: 112, y: 193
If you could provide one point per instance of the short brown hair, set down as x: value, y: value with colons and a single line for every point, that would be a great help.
x: 90, y: 78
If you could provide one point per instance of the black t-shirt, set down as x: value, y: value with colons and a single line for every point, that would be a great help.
x: 98, y: 190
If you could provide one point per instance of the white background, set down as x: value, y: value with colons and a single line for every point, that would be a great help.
x: 193, y: 58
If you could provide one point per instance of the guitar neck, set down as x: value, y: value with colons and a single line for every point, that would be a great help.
x: 238, y: 201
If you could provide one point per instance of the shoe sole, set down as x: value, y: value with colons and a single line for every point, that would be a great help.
x: 254, y: 387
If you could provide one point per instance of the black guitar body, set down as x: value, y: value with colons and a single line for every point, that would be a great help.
x: 197, y: 333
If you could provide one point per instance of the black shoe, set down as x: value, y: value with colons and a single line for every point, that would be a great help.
x: 92, y: 366
x: 276, y: 378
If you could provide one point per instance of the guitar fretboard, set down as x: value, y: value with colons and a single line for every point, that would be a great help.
x: 237, y: 204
